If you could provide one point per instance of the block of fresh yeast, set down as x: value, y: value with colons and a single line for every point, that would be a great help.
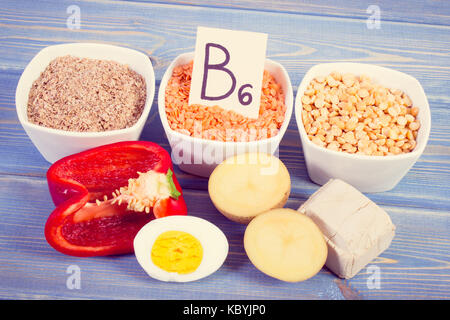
x: 355, y: 228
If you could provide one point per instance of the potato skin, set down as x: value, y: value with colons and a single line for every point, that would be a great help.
x: 317, y: 248
x: 245, y: 219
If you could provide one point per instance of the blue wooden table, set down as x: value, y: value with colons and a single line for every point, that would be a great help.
x: 412, y: 37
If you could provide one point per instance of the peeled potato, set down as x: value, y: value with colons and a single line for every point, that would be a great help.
x: 243, y: 186
x: 286, y: 245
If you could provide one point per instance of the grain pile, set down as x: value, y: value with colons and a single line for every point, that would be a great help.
x: 216, y: 123
x: 353, y: 114
x: 81, y: 94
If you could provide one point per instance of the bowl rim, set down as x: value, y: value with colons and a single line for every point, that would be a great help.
x: 289, y: 102
x: 298, y: 107
x: 90, y: 134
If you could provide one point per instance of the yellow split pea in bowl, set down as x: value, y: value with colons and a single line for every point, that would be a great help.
x: 368, y: 173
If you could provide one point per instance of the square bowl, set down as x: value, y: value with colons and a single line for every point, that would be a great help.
x: 366, y: 173
x: 200, y: 156
x: 55, y: 144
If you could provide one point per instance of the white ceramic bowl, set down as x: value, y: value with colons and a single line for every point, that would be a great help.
x: 54, y: 144
x: 200, y: 156
x: 366, y: 173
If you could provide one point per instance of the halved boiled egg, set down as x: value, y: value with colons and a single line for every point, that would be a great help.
x: 180, y: 248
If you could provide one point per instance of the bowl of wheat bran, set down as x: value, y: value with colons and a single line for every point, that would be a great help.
x: 73, y: 97
x: 202, y: 137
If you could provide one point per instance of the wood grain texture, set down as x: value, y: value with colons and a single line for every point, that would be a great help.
x: 429, y: 12
x: 417, y: 264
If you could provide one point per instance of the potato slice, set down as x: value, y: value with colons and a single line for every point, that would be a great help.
x: 243, y: 186
x: 286, y: 245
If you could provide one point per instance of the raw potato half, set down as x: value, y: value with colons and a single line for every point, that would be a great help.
x: 286, y: 245
x: 243, y: 186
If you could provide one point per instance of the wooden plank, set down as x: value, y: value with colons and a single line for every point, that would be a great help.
x: 415, y: 266
x: 429, y: 12
x: 165, y: 31
x: 432, y: 169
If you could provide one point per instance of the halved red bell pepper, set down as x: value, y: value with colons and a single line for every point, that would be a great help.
x: 88, y: 220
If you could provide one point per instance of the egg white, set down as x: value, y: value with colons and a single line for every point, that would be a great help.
x: 212, y: 239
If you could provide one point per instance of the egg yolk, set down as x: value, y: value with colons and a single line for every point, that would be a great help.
x: 177, y: 251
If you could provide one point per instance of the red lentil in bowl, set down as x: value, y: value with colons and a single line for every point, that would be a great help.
x: 215, y: 123
x: 197, y: 155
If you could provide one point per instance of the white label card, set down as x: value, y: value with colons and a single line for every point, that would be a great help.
x: 228, y: 70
